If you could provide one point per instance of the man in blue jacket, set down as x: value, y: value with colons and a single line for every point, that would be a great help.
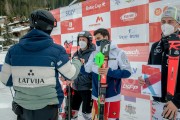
x: 119, y: 67
x: 32, y: 67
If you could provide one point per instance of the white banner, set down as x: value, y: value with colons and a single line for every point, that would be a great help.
x: 120, y: 4
x: 135, y: 108
x: 130, y: 34
x: 71, y: 12
x: 69, y: 38
x: 94, y: 22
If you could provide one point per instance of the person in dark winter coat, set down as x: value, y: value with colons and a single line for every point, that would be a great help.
x: 83, y: 83
x: 170, y: 21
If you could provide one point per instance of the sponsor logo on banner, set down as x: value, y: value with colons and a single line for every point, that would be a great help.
x: 95, y: 7
x: 99, y: 20
x: 67, y: 13
x: 130, y: 34
x: 136, y: 52
x: 96, y: 21
x: 70, y: 37
x: 130, y: 16
x: 155, y: 11
x: 120, y: 4
x: 136, y: 70
x: 117, y: 2
x: 158, y: 11
x: 132, y: 105
x: 70, y: 12
x: 130, y: 85
x: 70, y: 26
x: 130, y: 109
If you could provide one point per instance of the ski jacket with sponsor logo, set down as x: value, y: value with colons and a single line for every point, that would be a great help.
x: 159, y: 56
x: 32, y: 67
x: 119, y: 67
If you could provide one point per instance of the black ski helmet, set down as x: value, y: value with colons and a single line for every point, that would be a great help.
x: 42, y: 20
x: 85, y: 34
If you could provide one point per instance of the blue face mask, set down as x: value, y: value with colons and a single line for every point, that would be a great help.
x: 98, y: 43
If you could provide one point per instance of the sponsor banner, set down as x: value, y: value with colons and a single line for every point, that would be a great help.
x: 56, y: 39
x: 95, y: 7
x: 155, y: 31
x: 130, y: 16
x: 56, y: 13
x: 133, y: 106
x: 136, y: 52
x: 71, y: 12
x: 96, y: 21
x: 56, y: 30
x: 120, y: 4
x: 152, y: 76
x: 130, y: 34
x: 71, y: 26
x: 70, y: 37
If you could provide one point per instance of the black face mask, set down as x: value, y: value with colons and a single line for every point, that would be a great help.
x: 98, y: 43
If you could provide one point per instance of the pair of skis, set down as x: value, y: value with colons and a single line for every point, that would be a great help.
x: 101, y: 59
x: 173, y: 64
x: 68, y: 91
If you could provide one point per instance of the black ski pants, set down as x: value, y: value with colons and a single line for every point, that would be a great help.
x: 79, y: 97
x: 49, y: 112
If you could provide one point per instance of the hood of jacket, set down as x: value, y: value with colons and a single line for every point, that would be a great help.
x: 36, y: 40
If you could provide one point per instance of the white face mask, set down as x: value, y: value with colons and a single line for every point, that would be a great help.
x: 82, y: 44
x: 167, y: 29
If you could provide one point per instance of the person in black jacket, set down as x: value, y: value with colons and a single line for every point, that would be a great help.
x: 170, y: 21
x: 83, y: 83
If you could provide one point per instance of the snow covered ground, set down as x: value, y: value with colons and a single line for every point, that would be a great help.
x: 5, y: 104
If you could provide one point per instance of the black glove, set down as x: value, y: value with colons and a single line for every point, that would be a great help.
x: 17, y: 109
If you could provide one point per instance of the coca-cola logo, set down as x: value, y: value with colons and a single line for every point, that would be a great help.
x: 128, y: 16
